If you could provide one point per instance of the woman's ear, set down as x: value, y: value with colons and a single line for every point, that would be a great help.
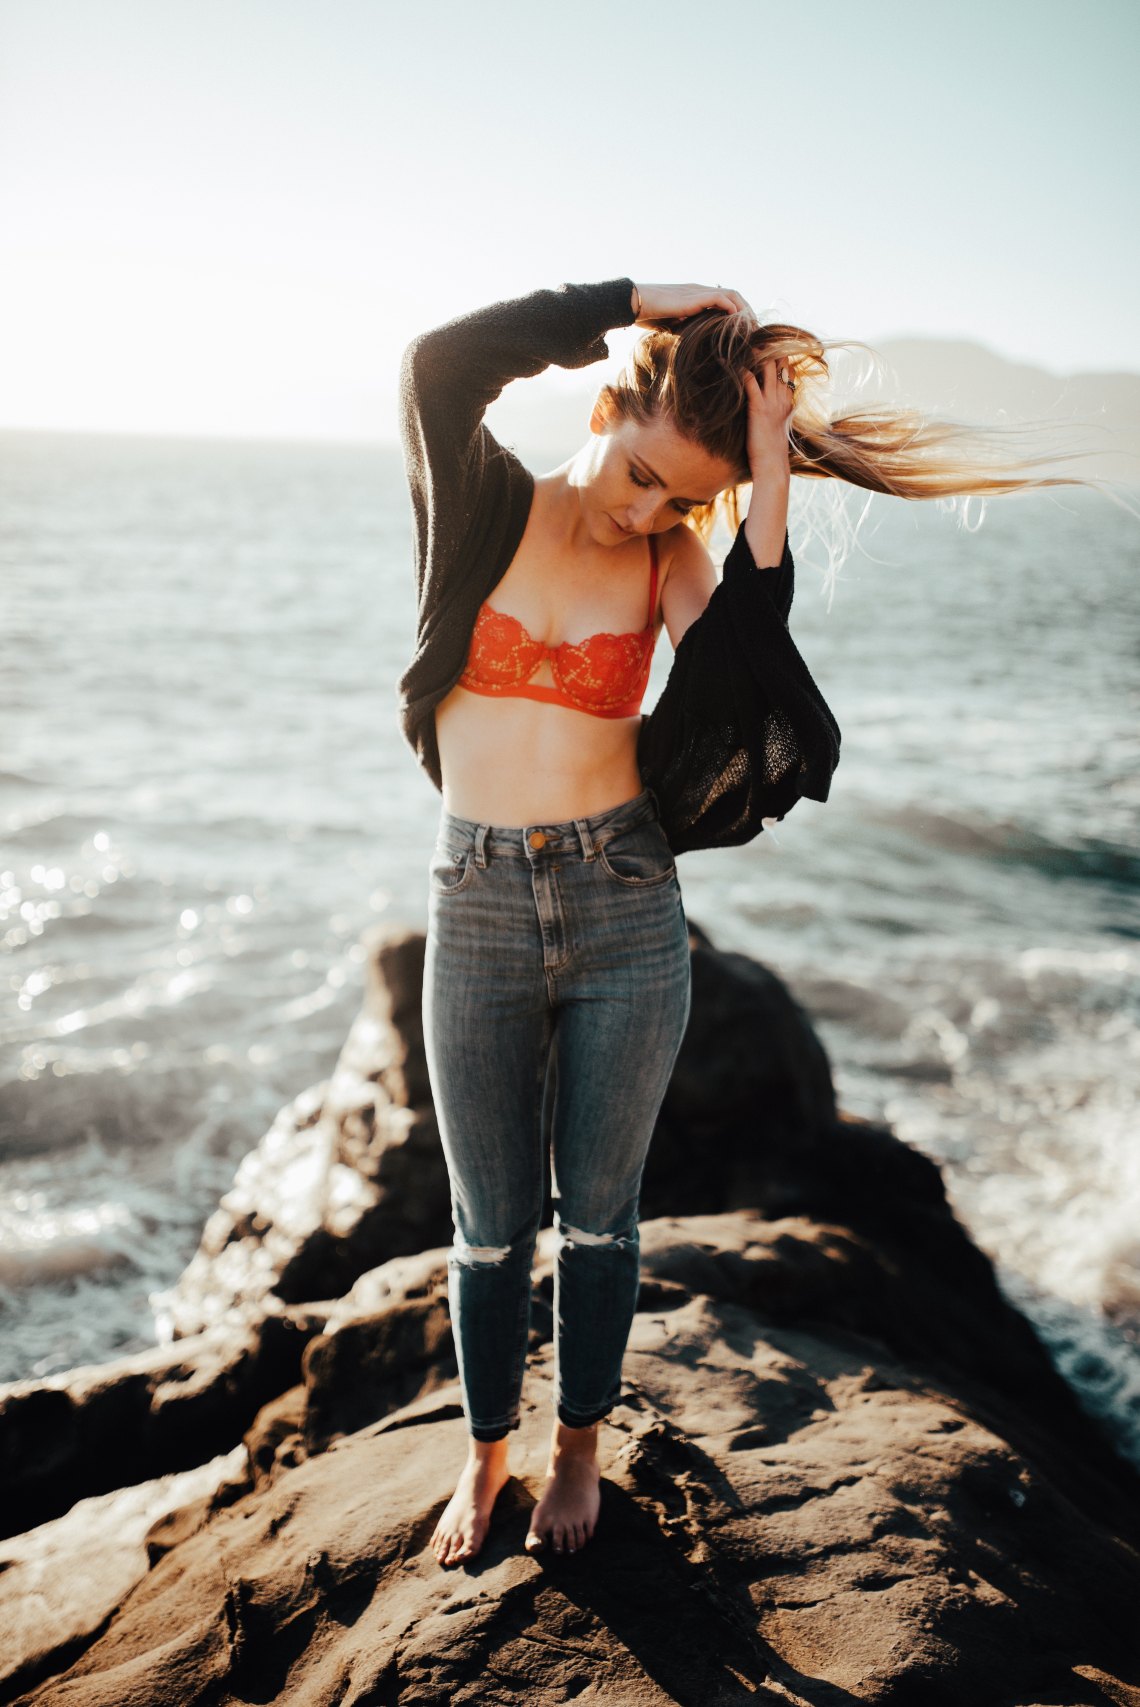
x: 599, y: 418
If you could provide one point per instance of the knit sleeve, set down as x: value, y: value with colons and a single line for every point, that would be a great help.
x: 451, y: 375
x: 740, y: 731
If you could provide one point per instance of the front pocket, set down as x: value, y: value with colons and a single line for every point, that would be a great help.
x: 639, y: 857
x: 450, y: 870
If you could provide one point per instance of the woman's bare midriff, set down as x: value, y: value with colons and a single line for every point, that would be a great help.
x: 519, y: 761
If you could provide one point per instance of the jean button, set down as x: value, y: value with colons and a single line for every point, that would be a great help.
x: 537, y: 839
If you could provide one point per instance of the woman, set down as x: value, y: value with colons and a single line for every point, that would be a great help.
x: 556, y: 927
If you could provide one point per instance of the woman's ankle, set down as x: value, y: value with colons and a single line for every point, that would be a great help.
x: 566, y: 1440
x: 487, y: 1451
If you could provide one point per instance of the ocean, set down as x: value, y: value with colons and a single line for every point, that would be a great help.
x: 205, y: 799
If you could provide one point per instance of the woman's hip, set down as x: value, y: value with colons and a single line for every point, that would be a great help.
x: 598, y: 889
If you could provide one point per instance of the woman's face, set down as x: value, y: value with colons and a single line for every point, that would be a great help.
x: 640, y: 480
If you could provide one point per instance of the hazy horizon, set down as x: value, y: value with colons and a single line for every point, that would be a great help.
x: 545, y: 419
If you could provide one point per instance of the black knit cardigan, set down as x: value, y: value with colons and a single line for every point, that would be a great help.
x: 740, y: 730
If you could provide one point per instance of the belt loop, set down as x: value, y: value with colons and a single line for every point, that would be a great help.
x: 481, y: 846
x: 585, y: 838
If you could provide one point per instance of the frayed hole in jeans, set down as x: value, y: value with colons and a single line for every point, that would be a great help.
x: 576, y: 1236
x: 472, y: 1255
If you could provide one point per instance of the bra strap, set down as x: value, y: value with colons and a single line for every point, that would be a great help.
x: 652, y: 579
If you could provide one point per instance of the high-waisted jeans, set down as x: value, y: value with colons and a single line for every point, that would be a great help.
x: 564, y: 948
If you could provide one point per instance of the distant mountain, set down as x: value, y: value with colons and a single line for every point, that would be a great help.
x: 968, y: 382
x: 547, y: 419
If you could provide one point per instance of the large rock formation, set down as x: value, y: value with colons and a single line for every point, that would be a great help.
x: 843, y: 1466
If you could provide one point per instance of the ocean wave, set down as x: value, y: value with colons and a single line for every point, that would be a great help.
x: 1007, y: 842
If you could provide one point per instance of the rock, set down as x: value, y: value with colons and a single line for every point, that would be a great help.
x: 104, y: 1426
x: 748, y: 1046
x: 787, y: 1512
x: 385, y: 1345
x: 63, y: 1580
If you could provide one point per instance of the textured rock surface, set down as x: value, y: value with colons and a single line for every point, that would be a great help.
x: 87, y: 1431
x: 65, y: 1578
x: 843, y: 1468
x: 787, y: 1511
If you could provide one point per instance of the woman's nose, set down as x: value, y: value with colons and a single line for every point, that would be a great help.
x: 642, y: 516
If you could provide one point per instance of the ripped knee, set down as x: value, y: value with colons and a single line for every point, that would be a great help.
x: 568, y: 1235
x: 473, y: 1256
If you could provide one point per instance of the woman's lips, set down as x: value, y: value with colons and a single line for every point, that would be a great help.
x: 618, y: 525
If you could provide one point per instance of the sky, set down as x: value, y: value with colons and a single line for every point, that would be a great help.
x: 230, y: 216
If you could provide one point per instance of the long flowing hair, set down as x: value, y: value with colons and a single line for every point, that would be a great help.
x: 691, y: 370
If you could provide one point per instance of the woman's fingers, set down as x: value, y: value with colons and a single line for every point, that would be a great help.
x: 769, y: 390
x: 661, y: 302
x: 732, y: 302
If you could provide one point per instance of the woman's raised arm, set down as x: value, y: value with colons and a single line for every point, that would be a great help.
x: 449, y: 376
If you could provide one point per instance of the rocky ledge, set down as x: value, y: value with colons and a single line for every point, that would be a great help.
x: 843, y: 1468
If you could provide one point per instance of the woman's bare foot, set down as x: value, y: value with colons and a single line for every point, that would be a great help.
x: 460, y: 1532
x: 568, y: 1510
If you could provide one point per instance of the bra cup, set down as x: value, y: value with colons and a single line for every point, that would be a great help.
x: 604, y: 670
x: 502, y: 652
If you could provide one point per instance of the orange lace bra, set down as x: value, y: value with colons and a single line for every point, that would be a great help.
x: 605, y: 674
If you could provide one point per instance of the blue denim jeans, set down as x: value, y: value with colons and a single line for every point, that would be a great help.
x: 550, y: 946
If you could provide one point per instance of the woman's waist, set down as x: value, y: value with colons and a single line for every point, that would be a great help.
x: 523, y: 762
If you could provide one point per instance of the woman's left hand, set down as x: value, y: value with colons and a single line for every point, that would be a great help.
x: 770, y: 402
x: 769, y: 405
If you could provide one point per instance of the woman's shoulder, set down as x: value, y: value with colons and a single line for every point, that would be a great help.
x: 687, y: 579
x: 684, y: 561
x: 682, y: 553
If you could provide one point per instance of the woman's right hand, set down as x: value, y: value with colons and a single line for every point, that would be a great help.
x: 662, y: 303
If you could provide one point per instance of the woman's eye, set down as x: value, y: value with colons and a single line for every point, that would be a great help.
x: 681, y: 509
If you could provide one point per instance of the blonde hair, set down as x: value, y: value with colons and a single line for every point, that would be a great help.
x: 692, y: 371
